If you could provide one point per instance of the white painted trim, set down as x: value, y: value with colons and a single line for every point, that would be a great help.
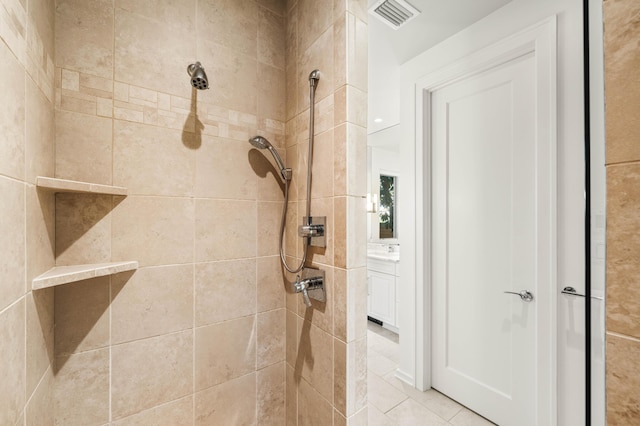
x: 539, y: 39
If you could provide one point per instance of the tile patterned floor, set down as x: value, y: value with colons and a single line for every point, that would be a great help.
x: 394, y: 403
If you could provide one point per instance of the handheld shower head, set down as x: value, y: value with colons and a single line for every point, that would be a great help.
x: 199, y: 78
x: 262, y: 143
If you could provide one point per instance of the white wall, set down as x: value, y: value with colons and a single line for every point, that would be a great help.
x: 510, y: 19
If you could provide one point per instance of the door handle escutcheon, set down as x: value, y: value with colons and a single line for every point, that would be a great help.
x: 525, y: 295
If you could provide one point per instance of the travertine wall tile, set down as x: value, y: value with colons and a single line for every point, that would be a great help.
x: 158, y: 300
x: 312, y: 407
x: 83, y: 228
x: 229, y: 23
x: 318, y: 56
x: 315, y: 354
x: 336, y: 44
x: 622, y: 82
x: 269, y: 217
x: 271, y: 92
x: 271, y: 395
x: 12, y: 115
x: 224, y: 290
x: 148, y: 161
x: 231, y: 175
x: 232, y: 402
x: 40, y: 349
x: 276, y: 6
x: 80, y: 137
x: 623, y: 244
x: 314, y: 17
x: 216, y: 363
x: 85, y: 374
x: 225, y: 229
x: 39, y: 152
x: 175, y: 413
x: 40, y: 239
x: 82, y: 316
x: 134, y: 389
x: 84, y: 36
x: 40, y: 408
x: 235, y: 85
x: 623, y: 380
x: 27, y: 225
x: 178, y: 14
x: 200, y: 193
x: 152, y: 54
x: 271, y: 38
x: 623, y: 127
x: 271, y: 337
x: 12, y: 362
x: 271, y: 284
x: 12, y: 211
x: 153, y: 230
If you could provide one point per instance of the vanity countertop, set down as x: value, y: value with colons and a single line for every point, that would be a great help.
x: 389, y: 257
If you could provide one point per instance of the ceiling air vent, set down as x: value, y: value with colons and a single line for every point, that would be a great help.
x: 394, y: 13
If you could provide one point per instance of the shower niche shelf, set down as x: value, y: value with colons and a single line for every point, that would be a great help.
x: 64, y: 185
x: 60, y: 275
x: 68, y: 274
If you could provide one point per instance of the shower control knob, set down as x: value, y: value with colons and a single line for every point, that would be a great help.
x: 311, y: 287
x: 301, y: 287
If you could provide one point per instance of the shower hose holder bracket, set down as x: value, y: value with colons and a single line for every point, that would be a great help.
x: 314, y: 230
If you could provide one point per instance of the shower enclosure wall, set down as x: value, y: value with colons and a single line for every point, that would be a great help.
x: 114, y: 106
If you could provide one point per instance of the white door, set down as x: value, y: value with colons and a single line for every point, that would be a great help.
x: 489, y: 224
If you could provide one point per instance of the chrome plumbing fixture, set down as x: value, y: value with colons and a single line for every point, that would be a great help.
x: 262, y: 143
x: 199, y: 78
x: 313, y: 228
x: 311, y: 285
x: 314, y: 231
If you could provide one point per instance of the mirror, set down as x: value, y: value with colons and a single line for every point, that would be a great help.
x: 387, y: 209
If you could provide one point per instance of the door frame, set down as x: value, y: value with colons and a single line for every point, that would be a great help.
x: 539, y: 39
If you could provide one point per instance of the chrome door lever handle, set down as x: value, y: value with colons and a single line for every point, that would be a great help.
x: 525, y: 295
x: 571, y: 291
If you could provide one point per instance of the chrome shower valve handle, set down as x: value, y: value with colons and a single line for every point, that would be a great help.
x: 301, y: 287
x: 311, y: 285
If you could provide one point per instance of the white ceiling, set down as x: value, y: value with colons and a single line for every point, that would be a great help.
x: 389, y: 48
x: 438, y: 20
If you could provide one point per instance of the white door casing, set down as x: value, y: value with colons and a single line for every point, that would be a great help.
x: 538, y: 44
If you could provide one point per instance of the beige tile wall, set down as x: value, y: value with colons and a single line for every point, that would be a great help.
x: 200, y: 333
x: 26, y: 215
x: 326, y: 346
x: 622, y: 86
x: 197, y: 334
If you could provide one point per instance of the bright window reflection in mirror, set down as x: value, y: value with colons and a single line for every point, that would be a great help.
x: 387, y: 209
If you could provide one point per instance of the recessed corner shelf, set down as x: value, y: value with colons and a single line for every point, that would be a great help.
x: 64, y: 185
x: 69, y: 274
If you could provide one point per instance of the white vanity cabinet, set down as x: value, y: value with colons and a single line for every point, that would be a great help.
x: 382, y: 291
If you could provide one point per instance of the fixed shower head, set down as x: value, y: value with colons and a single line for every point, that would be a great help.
x: 199, y: 78
x: 262, y: 143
